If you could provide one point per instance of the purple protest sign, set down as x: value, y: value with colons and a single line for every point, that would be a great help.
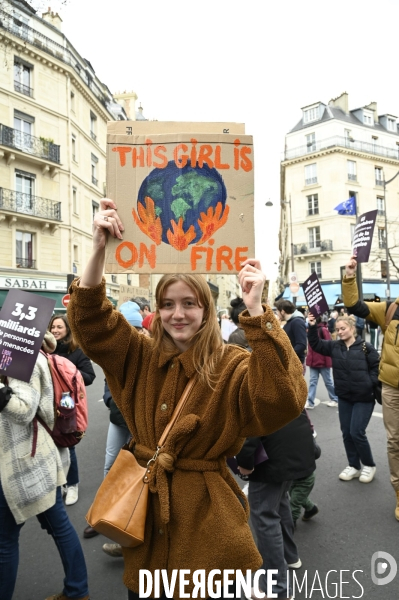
x: 314, y: 296
x: 363, y: 236
x: 24, y: 319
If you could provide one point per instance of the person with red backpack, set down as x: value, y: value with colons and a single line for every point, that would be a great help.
x: 68, y: 348
x: 32, y: 471
x: 320, y: 365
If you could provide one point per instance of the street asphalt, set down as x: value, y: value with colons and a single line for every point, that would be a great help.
x: 336, y: 547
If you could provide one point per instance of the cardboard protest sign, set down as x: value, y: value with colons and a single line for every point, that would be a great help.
x: 24, y: 319
x: 363, y: 236
x: 314, y: 296
x: 128, y: 292
x: 186, y: 202
x: 157, y: 127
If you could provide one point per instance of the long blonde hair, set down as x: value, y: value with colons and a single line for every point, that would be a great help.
x: 207, y: 342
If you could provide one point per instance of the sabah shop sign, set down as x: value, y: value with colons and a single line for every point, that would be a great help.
x: 186, y: 202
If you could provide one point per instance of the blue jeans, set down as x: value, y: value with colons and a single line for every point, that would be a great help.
x: 116, y: 438
x: 354, y: 418
x: 73, y: 473
x: 57, y: 524
x: 274, y: 529
x: 325, y: 372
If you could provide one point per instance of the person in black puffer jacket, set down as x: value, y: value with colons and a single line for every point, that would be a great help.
x: 67, y: 347
x: 355, y: 370
x: 291, y: 455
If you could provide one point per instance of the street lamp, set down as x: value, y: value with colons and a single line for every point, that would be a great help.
x: 269, y: 203
x: 385, y: 183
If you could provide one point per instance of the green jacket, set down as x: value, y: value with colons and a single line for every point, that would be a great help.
x: 375, y: 311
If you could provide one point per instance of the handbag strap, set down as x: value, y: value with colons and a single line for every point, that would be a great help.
x: 176, y: 413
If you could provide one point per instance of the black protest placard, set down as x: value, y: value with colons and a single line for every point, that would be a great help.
x: 314, y: 296
x: 23, y: 322
x: 361, y: 245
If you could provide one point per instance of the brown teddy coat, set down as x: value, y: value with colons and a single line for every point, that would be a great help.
x: 195, y: 517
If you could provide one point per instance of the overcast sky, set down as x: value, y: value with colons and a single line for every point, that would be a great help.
x: 256, y: 62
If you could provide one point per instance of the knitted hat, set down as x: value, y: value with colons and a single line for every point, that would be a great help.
x: 147, y: 321
x: 131, y: 312
x: 49, y: 343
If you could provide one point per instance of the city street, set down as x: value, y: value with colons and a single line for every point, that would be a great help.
x: 355, y: 520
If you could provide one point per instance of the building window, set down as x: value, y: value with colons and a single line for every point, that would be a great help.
x: 311, y: 114
x: 95, y: 207
x: 380, y: 206
x: 311, y: 174
x: 24, y: 250
x: 23, y: 78
x: 315, y: 267
x: 75, y: 253
x: 313, y: 204
x: 23, y: 126
x: 381, y: 237
x: 114, y: 279
x: 314, y: 237
x: 94, y: 161
x: 379, y: 176
x: 353, y: 227
x: 367, y: 119
x: 391, y: 125
x: 311, y: 142
x: 93, y: 126
x: 75, y: 200
x: 383, y: 268
x: 25, y: 188
x: 73, y: 102
x: 352, y: 170
x: 73, y: 141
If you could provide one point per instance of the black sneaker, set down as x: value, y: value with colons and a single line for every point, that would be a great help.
x: 308, y: 514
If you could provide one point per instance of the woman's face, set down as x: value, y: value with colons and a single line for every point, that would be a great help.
x: 181, y: 314
x: 345, y: 331
x: 58, y: 329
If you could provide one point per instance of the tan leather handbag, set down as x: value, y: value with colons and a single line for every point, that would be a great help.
x: 119, y: 509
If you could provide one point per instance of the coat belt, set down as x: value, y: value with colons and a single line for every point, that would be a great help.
x: 167, y: 462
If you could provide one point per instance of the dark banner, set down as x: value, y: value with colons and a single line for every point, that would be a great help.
x: 23, y: 322
x: 363, y: 236
x: 314, y: 295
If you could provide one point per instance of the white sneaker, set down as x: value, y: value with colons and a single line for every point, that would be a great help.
x: 72, y: 495
x: 332, y: 403
x: 295, y: 565
x: 309, y: 406
x: 349, y: 473
x: 367, y: 474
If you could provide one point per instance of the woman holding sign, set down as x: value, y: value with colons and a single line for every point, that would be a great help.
x: 355, y: 369
x: 197, y: 514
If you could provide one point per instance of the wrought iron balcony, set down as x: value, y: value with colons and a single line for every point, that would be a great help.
x: 26, y: 263
x: 29, y: 205
x: 352, y: 177
x: 13, y: 138
x: 93, y: 136
x: 23, y: 89
x: 381, y: 212
x: 379, y: 182
x: 94, y: 180
x: 344, y: 142
x: 316, y: 248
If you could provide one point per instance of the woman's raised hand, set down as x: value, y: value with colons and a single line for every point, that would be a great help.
x: 106, y: 222
x: 252, y: 281
x: 350, y: 267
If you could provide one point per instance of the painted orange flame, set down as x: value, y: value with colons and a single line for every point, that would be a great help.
x: 211, y: 222
x: 178, y: 239
x: 148, y: 222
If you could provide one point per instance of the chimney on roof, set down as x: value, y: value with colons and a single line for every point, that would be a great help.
x: 52, y: 18
x: 341, y: 102
x: 373, y: 106
x: 128, y: 101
